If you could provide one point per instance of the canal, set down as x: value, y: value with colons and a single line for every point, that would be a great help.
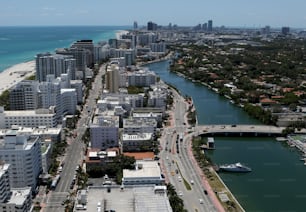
x: 278, y: 179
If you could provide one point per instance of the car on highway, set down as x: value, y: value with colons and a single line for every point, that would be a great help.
x: 205, y: 192
x: 180, y: 193
x: 201, y: 201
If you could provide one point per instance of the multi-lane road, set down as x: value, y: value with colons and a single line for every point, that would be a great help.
x: 75, y: 151
x: 177, y: 164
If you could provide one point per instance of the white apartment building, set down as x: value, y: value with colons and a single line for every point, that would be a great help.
x: 27, y: 118
x: 4, y: 181
x: 78, y: 86
x: 141, y: 78
x: 127, y: 101
x: 20, y: 200
x: 158, y: 98
x: 54, y: 64
x: 123, y: 79
x: 158, y: 47
x: 23, y: 96
x: 104, y: 132
x: 23, y: 153
x: 136, y: 142
x: 126, y: 53
x: 13, y: 200
x: 49, y: 93
x: 45, y: 133
x: 146, y: 39
x: 69, y: 101
x: 143, y: 125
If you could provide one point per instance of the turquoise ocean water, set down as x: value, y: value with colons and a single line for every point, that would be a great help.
x: 21, y: 44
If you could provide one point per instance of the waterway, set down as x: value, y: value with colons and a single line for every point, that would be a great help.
x: 278, y: 179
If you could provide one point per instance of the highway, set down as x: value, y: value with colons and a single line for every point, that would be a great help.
x: 194, y: 199
x: 75, y: 151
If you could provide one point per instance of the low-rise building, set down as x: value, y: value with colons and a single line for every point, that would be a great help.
x: 141, y: 125
x: 145, y: 173
x: 97, y: 159
x: 148, y: 112
x: 137, y: 142
x: 158, y: 98
x: 20, y: 200
x: 27, y: 118
x: 125, y: 198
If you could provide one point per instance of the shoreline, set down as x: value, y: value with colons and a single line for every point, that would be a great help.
x: 11, y: 76
x: 118, y: 33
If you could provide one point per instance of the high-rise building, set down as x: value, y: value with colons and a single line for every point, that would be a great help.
x: 23, y: 153
x: 54, y: 64
x: 204, y: 26
x: 151, y: 26
x: 285, y: 30
x: 210, y: 26
x: 158, y: 47
x: 112, y: 78
x: 23, y: 96
x: 80, y: 55
x: 135, y: 25
x: 86, y: 45
x: 49, y: 94
x: 265, y: 30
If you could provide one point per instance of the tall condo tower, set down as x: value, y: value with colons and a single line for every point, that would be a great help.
x: 210, y: 26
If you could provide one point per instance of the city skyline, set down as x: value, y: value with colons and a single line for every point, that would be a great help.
x: 183, y: 13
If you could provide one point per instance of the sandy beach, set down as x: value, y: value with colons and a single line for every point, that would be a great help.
x: 121, y: 32
x: 11, y: 76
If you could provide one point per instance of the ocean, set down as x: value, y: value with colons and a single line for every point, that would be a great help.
x: 21, y: 44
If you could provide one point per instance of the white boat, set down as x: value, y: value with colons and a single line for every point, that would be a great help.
x: 236, y: 167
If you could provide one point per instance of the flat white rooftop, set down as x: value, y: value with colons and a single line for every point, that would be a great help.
x: 19, y: 195
x: 146, y: 169
x: 130, y: 199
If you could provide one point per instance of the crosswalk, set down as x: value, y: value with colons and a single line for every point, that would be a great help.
x: 56, y: 201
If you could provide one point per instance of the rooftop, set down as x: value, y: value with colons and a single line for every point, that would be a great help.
x: 140, y: 155
x: 129, y: 199
x: 145, y: 169
x: 19, y: 195
x: 137, y: 137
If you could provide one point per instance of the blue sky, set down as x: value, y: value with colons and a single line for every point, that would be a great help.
x: 255, y: 13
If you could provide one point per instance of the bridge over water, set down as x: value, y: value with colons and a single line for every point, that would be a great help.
x: 238, y: 130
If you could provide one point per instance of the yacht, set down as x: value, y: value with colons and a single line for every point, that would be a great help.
x: 236, y: 167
